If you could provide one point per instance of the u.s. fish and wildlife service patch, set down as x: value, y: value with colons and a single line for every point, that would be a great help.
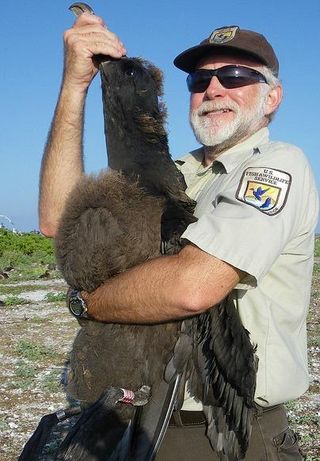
x: 264, y: 188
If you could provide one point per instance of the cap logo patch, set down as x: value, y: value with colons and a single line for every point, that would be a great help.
x: 223, y: 35
x: 264, y: 188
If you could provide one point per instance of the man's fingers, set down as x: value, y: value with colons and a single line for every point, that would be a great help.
x: 87, y: 18
x: 87, y: 25
x: 92, y: 29
x: 98, y: 42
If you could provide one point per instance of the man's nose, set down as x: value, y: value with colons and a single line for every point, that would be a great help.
x: 215, y: 89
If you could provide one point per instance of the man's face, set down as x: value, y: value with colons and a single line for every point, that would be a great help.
x: 227, y: 116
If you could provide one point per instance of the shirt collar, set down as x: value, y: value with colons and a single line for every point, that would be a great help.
x: 230, y: 159
x: 234, y: 156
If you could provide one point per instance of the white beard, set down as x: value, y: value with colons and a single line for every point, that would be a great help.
x: 209, y: 132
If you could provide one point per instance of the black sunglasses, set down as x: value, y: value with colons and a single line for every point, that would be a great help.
x: 229, y: 77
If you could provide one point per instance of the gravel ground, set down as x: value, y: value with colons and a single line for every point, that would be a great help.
x: 35, y: 338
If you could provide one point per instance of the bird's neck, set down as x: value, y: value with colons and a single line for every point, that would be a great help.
x: 143, y: 156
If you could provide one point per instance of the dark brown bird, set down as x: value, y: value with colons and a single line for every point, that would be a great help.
x: 116, y: 220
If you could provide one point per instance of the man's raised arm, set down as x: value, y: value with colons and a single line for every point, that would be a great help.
x: 62, y: 163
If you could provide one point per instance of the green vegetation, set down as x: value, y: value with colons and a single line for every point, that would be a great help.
x: 15, y: 301
x: 24, y: 376
x: 25, y: 244
x: 29, y: 370
x: 22, y: 384
x: 33, y: 351
x: 39, y: 320
x: 55, y: 297
x: 26, y: 256
x: 25, y: 370
x: 3, y: 423
x: 18, y: 289
x: 317, y: 246
x: 52, y: 381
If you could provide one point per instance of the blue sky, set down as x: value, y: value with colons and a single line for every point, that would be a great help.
x: 31, y: 66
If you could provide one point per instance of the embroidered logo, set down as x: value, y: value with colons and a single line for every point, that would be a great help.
x: 223, y: 35
x: 264, y: 188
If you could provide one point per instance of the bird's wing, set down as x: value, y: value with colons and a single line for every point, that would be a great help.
x: 261, y: 191
x: 266, y: 203
x: 154, y: 417
x: 109, y: 224
x: 151, y: 423
x: 225, y: 379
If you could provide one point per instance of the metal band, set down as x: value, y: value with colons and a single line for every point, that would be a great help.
x: 128, y: 396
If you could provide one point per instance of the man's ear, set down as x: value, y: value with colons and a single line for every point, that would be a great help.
x: 274, y: 99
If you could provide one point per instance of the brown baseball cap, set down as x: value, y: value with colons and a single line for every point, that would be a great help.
x: 230, y: 38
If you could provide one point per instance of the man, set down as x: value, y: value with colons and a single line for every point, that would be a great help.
x: 256, y: 208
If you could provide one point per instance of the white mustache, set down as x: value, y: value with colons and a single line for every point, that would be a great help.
x: 212, y: 106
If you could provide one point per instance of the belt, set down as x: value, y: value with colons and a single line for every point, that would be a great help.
x: 187, y: 418
x: 260, y: 410
x: 197, y: 418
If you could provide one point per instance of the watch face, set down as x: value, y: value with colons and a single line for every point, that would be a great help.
x: 77, y: 305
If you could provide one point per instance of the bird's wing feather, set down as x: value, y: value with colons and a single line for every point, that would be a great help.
x: 226, y: 366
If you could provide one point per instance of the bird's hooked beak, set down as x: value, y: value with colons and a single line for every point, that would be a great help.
x: 79, y: 8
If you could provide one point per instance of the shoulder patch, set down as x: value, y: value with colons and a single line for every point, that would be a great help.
x: 264, y: 188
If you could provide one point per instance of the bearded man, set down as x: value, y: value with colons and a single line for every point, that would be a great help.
x: 257, y: 208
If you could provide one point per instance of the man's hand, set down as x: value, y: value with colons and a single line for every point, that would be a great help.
x: 88, y: 37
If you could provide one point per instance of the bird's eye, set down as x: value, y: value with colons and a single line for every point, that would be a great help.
x: 129, y: 71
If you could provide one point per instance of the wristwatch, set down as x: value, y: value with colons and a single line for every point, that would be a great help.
x: 77, y: 305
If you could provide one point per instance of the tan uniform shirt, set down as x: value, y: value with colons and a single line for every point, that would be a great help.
x: 257, y: 208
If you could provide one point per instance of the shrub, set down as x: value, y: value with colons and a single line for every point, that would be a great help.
x: 25, y: 243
